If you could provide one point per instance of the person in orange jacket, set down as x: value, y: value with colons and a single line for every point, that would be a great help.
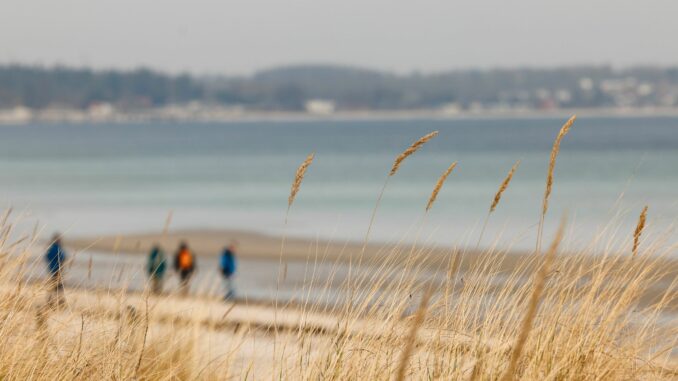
x: 184, y: 264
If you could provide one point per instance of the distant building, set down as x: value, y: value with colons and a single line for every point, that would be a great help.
x: 16, y: 115
x: 586, y: 84
x: 100, y: 112
x: 319, y: 107
x: 452, y: 108
x: 563, y: 96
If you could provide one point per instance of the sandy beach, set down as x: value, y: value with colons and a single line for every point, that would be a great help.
x: 275, y: 319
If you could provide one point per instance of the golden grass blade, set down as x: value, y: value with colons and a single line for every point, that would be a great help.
x: 89, y: 268
x: 412, y: 336
x: 168, y: 222
x: 639, y: 230
x: 298, y: 178
x: 410, y: 150
x: 526, y: 326
x: 143, y: 343
x: 439, y: 185
x: 477, y: 368
x: 503, y: 186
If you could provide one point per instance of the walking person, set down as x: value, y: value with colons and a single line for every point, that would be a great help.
x: 55, y: 256
x: 157, y: 264
x: 228, y: 265
x: 184, y: 264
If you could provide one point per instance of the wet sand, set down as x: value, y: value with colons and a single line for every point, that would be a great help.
x: 312, y: 269
x: 256, y: 246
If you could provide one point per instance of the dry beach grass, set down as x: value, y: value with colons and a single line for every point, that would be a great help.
x: 579, y: 315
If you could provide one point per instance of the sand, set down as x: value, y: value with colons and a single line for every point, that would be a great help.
x: 252, y: 245
x: 262, y: 254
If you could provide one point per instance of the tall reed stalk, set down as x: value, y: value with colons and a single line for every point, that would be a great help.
x: 497, y: 197
x: 296, y: 185
x: 549, y: 177
x: 414, y: 147
x: 431, y: 200
x: 412, y: 336
x: 409, y: 151
x: 533, y: 305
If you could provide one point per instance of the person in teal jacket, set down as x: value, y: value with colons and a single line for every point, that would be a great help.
x: 157, y: 265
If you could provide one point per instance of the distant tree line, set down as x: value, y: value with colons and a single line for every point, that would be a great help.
x: 288, y: 88
x: 38, y: 87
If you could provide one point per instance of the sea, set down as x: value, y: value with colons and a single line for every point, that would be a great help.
x: 96, y: 179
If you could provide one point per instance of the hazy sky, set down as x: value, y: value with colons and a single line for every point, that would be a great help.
x: 236, y: 37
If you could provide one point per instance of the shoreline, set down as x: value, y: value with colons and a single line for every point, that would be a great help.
x: 151, y: 116
x: 209, y: 243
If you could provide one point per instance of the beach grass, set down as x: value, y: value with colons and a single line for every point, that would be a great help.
x: 554, y: 315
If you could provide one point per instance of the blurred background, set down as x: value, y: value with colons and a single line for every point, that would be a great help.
x: 113, y: 114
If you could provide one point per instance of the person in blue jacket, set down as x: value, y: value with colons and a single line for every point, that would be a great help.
x: 55, y: 258
x: 228, y: 266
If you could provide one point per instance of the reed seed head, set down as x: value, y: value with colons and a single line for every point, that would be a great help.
x: 639, y: 230
x: 410, y: 150
x: 439, y: 185
x: 552, y: 162
x: 504, y: 185
x: 299, y: 177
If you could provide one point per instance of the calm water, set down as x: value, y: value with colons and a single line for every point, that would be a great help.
x: 91, y: 179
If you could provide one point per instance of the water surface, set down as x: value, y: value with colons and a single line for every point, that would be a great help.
x: 96, y: 179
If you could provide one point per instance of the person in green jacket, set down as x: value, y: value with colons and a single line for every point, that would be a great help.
x: 157, y: 264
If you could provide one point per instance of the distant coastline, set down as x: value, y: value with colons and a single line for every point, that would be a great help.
x: 38, y: 94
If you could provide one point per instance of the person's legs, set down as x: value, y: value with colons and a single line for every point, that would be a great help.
x: 60, y: 291
x: 52, y: 285
x: 184, y: 283
x: 156, y: 284
x: 229, y: 285
x: 56, y: 295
